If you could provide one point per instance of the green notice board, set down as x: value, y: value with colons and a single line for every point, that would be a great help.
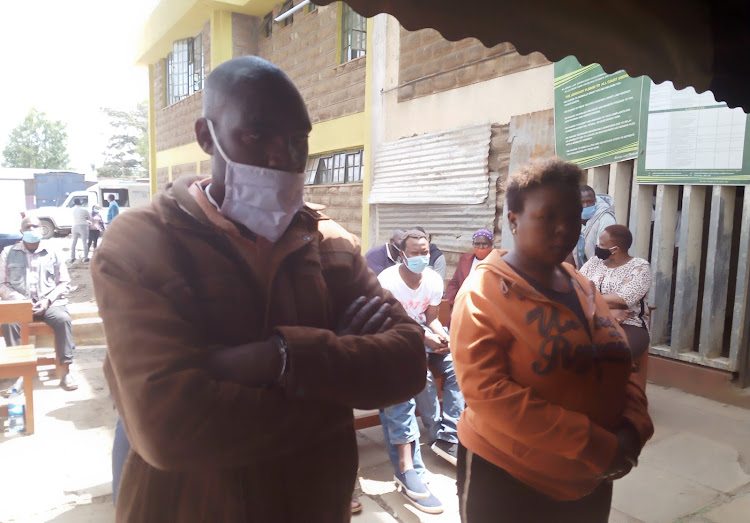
x: 690, y: 138
x: 596, y: 114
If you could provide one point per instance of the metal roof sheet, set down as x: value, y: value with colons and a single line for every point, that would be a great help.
x: 446, y: 167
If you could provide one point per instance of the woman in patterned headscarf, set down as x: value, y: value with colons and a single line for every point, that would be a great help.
x: 482, y: 243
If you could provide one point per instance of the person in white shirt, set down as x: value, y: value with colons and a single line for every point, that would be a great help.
x: 420, y: 290
x: 81, y: 222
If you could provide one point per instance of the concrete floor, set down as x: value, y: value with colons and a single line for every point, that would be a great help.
x: 696, y: 469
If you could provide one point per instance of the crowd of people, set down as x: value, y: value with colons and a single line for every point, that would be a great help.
x: 243, y: 327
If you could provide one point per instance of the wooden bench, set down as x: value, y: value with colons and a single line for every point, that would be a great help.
x: 21, y: 312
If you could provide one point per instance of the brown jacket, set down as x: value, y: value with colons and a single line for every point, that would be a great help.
x: 171, y: 287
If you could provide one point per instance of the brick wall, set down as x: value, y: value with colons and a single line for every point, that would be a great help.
x: 206, y: 32
x: 245, y: 34
x: 306, y: 51
x: 343, y: 203
x: 174, y: 123
x: 205, y: 168
x: 162, y: 178
x: 186, y: 169
x: 430, y: 64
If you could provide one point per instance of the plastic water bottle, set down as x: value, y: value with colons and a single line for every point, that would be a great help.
x: 16, y: 409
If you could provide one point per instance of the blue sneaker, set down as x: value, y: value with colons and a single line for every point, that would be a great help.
x: 430, y: 505
x: 411, y: 484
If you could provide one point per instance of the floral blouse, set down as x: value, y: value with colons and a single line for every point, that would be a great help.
x: 631, y: 282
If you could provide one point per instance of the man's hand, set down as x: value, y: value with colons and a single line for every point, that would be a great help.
x: 40, y: 307
x: 365, y: 317
x: 254, y: 364
x: 626, y: 455
x: 437, y: 344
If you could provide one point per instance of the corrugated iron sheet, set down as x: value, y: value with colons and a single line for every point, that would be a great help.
x: 532, y: 137
x: 447, y: 167
x: 451, y: 226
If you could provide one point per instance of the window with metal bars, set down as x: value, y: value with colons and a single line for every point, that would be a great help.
x: 185, y: 69
x: 289, y: 20
x: 331, y: 168
x: 353, y: 34
x: 267, y: 28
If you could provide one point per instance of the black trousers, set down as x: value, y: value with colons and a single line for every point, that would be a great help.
x: 56, y: 317
x: 94, y: 237
x: 487, y: 493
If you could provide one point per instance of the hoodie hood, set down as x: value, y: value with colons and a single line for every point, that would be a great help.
x: 513, y: 283
x: 604, y: 202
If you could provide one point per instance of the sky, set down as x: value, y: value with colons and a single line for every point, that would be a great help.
x: 69, y: 59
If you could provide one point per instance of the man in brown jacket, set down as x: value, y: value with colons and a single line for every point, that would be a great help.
x: 244, y: 326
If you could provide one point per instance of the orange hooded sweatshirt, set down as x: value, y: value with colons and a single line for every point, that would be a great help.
x: 543, y: 397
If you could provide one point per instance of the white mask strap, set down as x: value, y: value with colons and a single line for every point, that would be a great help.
x: 216, y: 142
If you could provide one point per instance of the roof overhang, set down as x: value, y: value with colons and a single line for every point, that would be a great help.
x: 700, y: 43
x: 176, y: 19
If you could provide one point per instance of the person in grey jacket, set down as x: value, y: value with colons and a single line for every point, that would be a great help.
x: 31, y: 271
x: 598, y: 213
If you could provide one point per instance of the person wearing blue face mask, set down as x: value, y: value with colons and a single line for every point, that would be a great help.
x: 419, y: 289
x: 30, y: 271
x: 243, y: 326
x: 598, y: 213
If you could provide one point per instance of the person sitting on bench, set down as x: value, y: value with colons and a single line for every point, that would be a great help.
x: 31, y: 271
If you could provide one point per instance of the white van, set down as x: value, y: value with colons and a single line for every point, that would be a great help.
x: 59, y: 220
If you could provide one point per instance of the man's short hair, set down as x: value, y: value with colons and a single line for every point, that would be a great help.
x: 76, y: 201
x: 414, y: 233
x: 620, y: 235
x: 588, y: 189
x: 552, y: 171
x: 111, y: 197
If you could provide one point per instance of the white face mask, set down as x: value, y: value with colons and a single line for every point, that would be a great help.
x: 263, y: 200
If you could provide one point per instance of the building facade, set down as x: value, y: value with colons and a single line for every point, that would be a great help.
x: 322, y: 49
x: 410, y: 129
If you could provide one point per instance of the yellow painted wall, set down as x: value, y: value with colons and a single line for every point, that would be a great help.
x: 332, y: 135
x: 151, y: 129
x: 221, y: 37
x: 347, y: 132
x: 367, y: 155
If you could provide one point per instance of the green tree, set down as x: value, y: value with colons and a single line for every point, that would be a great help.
x: 127, y: 151
x: 37, y: 143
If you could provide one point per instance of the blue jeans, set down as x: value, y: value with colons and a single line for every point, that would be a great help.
x: 400, y: 426
x: 120, y: 449
x: 437, y: 424
x: 400, y: 421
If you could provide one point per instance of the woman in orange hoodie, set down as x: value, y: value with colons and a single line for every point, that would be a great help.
x: 552, y: 414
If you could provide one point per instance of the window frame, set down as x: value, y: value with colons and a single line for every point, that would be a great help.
x: 286, y: 6
x: 267, y: 25
x: 351, y: 23
x: 335, y: 168
x: 185, y: 74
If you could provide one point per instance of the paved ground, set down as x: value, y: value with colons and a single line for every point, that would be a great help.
x: 696, y: 469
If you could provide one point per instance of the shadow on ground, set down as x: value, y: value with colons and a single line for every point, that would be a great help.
x: 84, y: 414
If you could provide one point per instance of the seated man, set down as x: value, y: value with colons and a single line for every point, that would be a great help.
x: 419, y: 290
x: 29, y: 271
x: 383, y: 256
x: 598, y: 213
x: 437, y: 259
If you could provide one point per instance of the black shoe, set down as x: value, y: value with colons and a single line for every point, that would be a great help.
x: 86, y: 259
x: 446, y: 450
